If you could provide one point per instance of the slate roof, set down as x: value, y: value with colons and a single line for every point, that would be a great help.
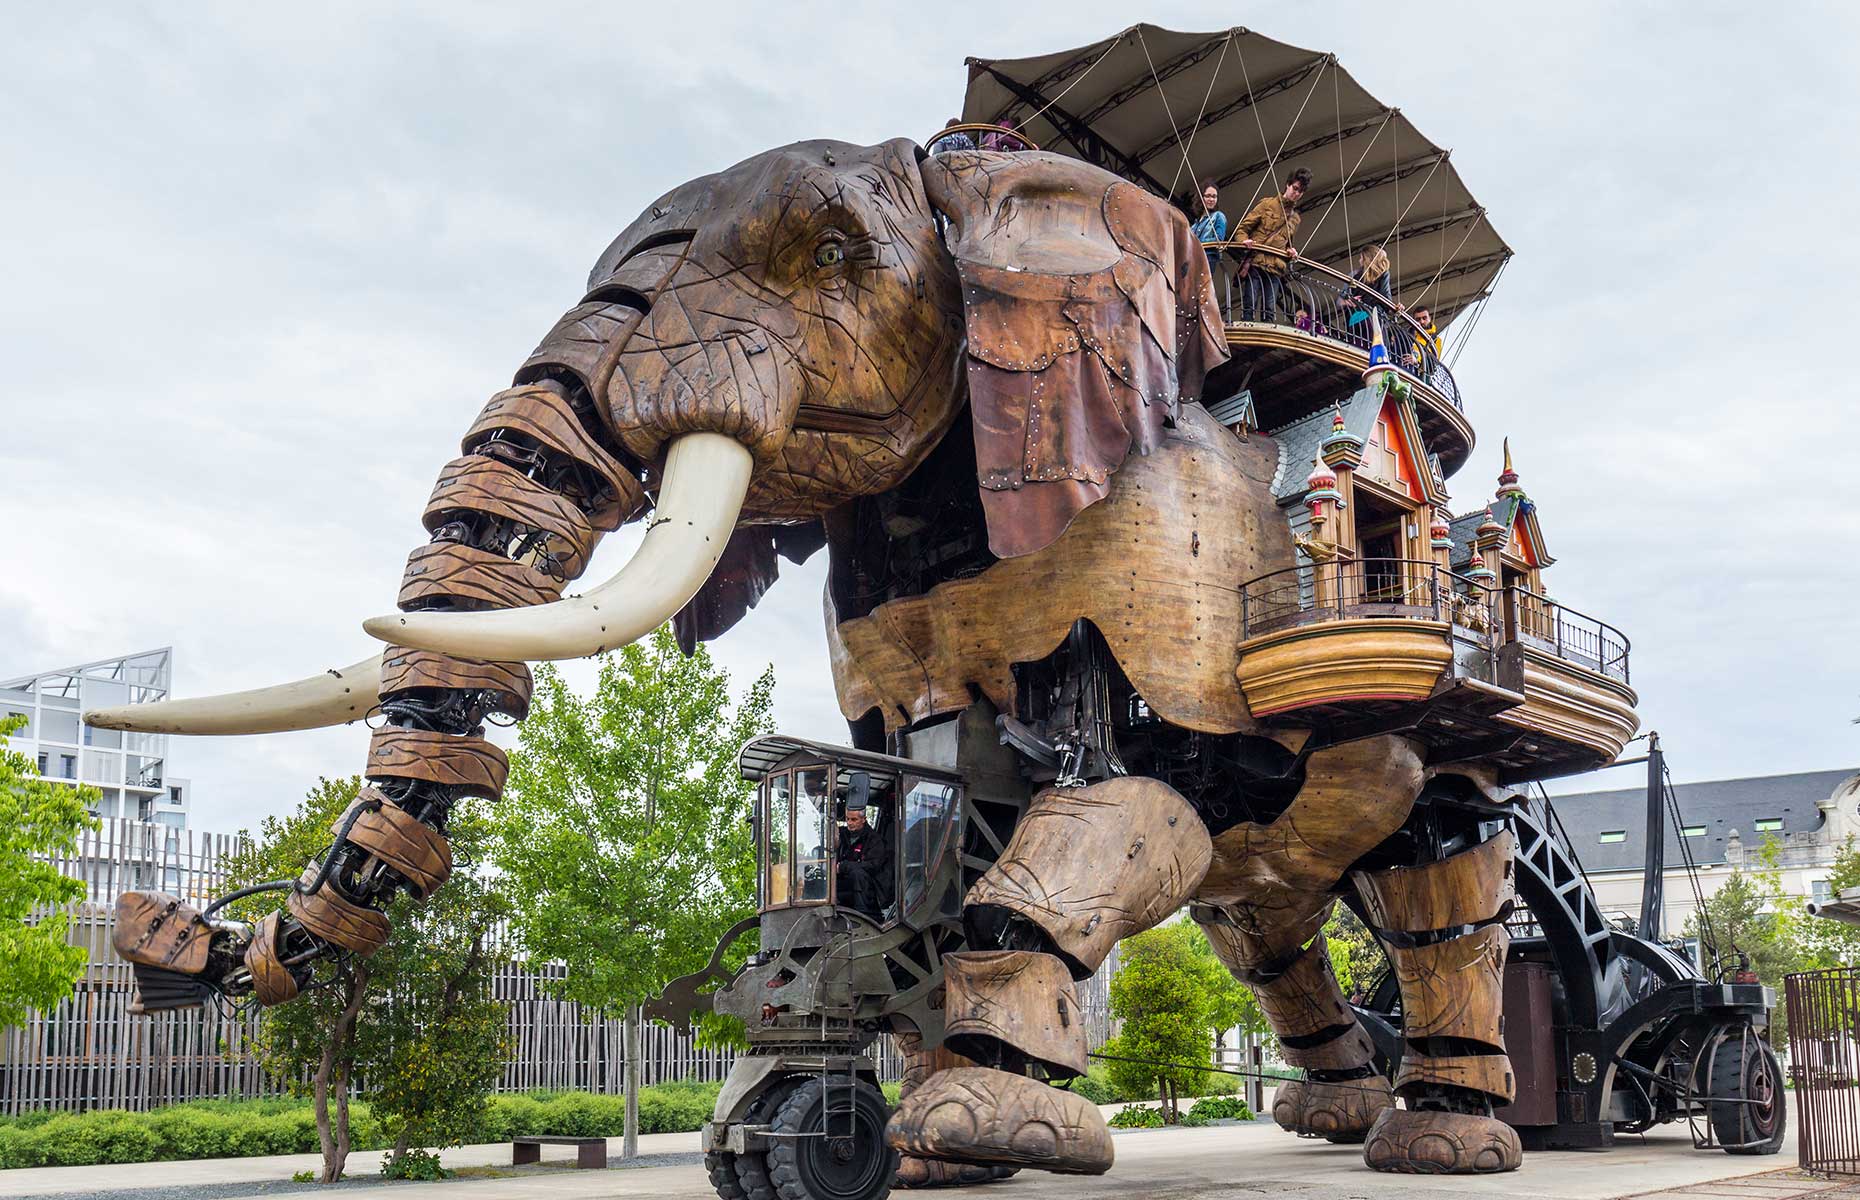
x: 1299, y: 441
x: 1720, y: 805
x: 1504, y: 510
x: 1461, y: 530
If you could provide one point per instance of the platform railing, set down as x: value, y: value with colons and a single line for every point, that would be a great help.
x: 1422, y: 590
x: 1324, y: 302
x: 983, y: 136
x: 1362, y: 589
x: 1571, y: 636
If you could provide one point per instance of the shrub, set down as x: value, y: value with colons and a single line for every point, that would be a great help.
x: 1138, y: 1116
x: 1096, y: 1086
x: 414, y: 1164
x: 1219, y: 1108
x: 245, y: 1128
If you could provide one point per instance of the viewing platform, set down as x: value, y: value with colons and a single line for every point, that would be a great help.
x: 1311, y: 347
x: 1503, y: 675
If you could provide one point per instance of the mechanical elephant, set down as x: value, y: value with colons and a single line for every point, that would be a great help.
x: 975, y: 378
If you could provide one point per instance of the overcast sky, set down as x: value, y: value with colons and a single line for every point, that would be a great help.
x: 260, y: 271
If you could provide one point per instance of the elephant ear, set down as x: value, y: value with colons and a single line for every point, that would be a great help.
x: 1090, y: 316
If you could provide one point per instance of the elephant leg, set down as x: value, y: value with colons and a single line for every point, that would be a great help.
x: 1442, y: 925
x: 1086, y: 867
x: 1263, y: 906
x: 1341, y: 1095
x: 914, y: 1172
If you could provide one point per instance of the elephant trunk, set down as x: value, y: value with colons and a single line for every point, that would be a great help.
x: 706, y: 477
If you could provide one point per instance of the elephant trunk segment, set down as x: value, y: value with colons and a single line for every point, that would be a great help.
x: 512, y: 520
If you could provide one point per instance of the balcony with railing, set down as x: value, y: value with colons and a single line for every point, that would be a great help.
x: 1305, y: 342
x: 1507, y: 677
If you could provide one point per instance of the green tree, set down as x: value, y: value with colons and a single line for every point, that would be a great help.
x: 1837, y: 943
x: 431, y: 1055
x: 1169, y: 992
x: 1231, y: 1003
x: 37, y: 821
x: 317, y: 1031
x: 1355, y: 956
x: 624, y: 834
x: 416, y: 1021
x: 1751, y: 915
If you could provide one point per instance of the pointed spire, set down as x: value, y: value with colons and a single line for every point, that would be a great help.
x: 1508, y: 478
x: 1440, y: 534
x: 1342, y: 450
x: 1322, y: 478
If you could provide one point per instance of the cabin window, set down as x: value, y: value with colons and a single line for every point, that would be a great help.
x: 932, y: 811
x: 1769, y: 825
x: 1611, y: 836
x: 813, y: 834
x: 1692, y: 831
x: 776, y: 815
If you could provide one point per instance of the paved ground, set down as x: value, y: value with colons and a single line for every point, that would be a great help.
x: 1241, y: 1162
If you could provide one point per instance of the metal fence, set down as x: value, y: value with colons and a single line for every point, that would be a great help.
x: 90, y: 1052
x: 1824, y: 1068
x: 1324, y: 302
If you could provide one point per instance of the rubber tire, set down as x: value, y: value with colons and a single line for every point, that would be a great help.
x: 720, y: 1165
x: 1739, y: 1062
x: 752, y: 1170
x: 796, y: 1163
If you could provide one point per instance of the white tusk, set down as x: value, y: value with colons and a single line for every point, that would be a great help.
x: 706, y: 478
x: 327, y: 699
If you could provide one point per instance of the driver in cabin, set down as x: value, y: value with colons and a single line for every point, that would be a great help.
x: 864, y: 859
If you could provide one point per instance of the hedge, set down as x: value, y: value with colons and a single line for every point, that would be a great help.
x: 244, y: 1128
x: 240, y: 1129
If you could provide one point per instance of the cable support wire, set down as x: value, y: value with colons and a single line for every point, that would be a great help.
x: 1343, y: 189
x: 1466, y: 330
x: 1708, y: 937
x: 1174, y: 129
x: 1272, y: 167
x: 1115, y: 42
x: 1195, y: 129
x: 1447, y: 258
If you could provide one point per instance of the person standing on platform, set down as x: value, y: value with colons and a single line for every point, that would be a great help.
x: 1268, y: 230
x: 1211, y: 226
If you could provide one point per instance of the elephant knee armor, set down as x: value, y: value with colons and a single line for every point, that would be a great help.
x: 1085, y: 868
x: 1442, y: 926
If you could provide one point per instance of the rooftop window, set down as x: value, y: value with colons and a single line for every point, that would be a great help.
x: 1768, y: 825
x: 1692, y: 831
x: 1611, y: 836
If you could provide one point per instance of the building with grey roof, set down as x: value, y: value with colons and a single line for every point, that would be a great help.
x: 1723, y: 825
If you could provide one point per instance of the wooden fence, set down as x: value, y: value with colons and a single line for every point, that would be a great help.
x: 89, y: 1052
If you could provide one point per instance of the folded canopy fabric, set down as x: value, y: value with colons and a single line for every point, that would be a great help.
x: 1168, y: 110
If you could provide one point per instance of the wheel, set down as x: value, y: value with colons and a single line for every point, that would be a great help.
x: 720, y: 1165
x: 752, y: 1170
x: 1744, y: 1068
x: 852, y: 1162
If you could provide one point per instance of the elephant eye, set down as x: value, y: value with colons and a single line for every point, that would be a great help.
x: 830, y: 253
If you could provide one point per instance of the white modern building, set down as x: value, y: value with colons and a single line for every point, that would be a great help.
x: 130, y: 770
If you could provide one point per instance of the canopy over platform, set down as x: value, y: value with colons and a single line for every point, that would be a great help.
x: 1167, y: 110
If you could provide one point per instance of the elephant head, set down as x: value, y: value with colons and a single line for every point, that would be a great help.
x: 767, y: 343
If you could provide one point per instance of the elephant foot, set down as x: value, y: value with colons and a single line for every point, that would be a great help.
x: 1441, y: 1143
x: 914, y: 1172
x: 1341, y: 1112
x: 979, y: 1115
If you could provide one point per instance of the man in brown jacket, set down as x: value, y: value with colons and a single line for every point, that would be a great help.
x: 1270, y: 227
